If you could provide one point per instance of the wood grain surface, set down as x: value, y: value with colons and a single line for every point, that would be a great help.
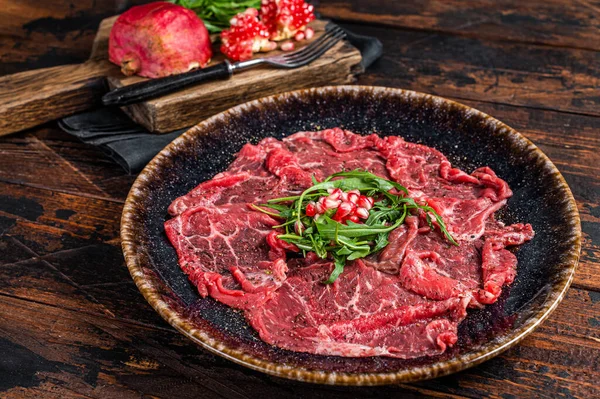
x: 33, y: 97
x: 73, y: 325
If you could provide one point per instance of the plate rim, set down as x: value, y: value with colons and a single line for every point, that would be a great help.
x: 460, y: 362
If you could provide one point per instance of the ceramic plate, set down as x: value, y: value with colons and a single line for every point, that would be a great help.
x: 469, y: 138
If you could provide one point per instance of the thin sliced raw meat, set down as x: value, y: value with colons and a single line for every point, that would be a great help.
x: 251, y: 158
x: 390, y: 258
x: 465, y: 219
x: 420, y: 275
x: 224, y: 251
x: 405, y: 302
x: 461, y: 263
x: 455, y: 175
x: 346, y: 141
x: 499, y: 265
x: 516, y: 234
x: 495, y: 188
x: 241, y: 187
x: 315, y: 152
x: 412, y: 165
x: 364, y: 313
x: 284, y: 164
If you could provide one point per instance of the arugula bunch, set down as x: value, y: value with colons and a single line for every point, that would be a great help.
x: 345, y: 242
x: 216, y: 13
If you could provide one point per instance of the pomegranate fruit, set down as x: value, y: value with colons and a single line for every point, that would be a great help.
x: 284, y: 18
x: 159, y: 39
x: 247, y: 35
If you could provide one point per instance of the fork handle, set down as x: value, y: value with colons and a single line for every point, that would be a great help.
x: 152, y: 88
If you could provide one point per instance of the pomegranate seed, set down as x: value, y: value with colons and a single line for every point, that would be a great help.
x: 362, y: 201
x: 357, y: 192
x: 331, y: 203
x: 336, y: 194
x: 299, y: 36
x: 309, y: 33
x: 268, y: 46
x: 298, y: 227
x: 311, y: 209
x: 354, y: 219
x: 365, y: 202
x: 287, y: 46
x: 345, y: 209
x: 344, y: 196
x: 362, y: 213
x: 353, y: 197
x: 320, y: 206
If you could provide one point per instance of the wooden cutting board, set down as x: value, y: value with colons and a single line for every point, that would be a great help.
x: 30, y: 98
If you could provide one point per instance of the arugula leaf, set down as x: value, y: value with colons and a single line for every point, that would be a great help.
x: 293, y: 198
x: 277, y: 207
x: 382, y: 184
x: 348, y: 241
x: 216, y: 13
x: 440, y: 222
x: 256, y: 207
x: 381, y: 242
x: 328, y: 228
x: 340, y: 262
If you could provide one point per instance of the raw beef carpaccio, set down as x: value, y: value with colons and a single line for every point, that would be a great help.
x: 405, y: 301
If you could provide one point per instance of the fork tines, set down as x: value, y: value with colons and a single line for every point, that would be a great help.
x: 316, y: 48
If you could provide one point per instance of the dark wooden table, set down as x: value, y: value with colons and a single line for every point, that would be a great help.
x: 72, y: 323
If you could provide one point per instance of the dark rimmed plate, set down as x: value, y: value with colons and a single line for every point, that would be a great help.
x: 468, y: 137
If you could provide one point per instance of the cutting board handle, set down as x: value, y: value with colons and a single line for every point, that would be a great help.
x: 30, y: 98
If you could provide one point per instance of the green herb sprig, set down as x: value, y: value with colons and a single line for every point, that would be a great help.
x: 216, y: 13
x: 345, y: 242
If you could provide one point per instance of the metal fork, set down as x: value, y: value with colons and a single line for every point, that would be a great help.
x: 138, y: 92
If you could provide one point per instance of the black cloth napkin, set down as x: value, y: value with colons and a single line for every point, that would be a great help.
x: 127, y: 143
x: 132, y: 146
